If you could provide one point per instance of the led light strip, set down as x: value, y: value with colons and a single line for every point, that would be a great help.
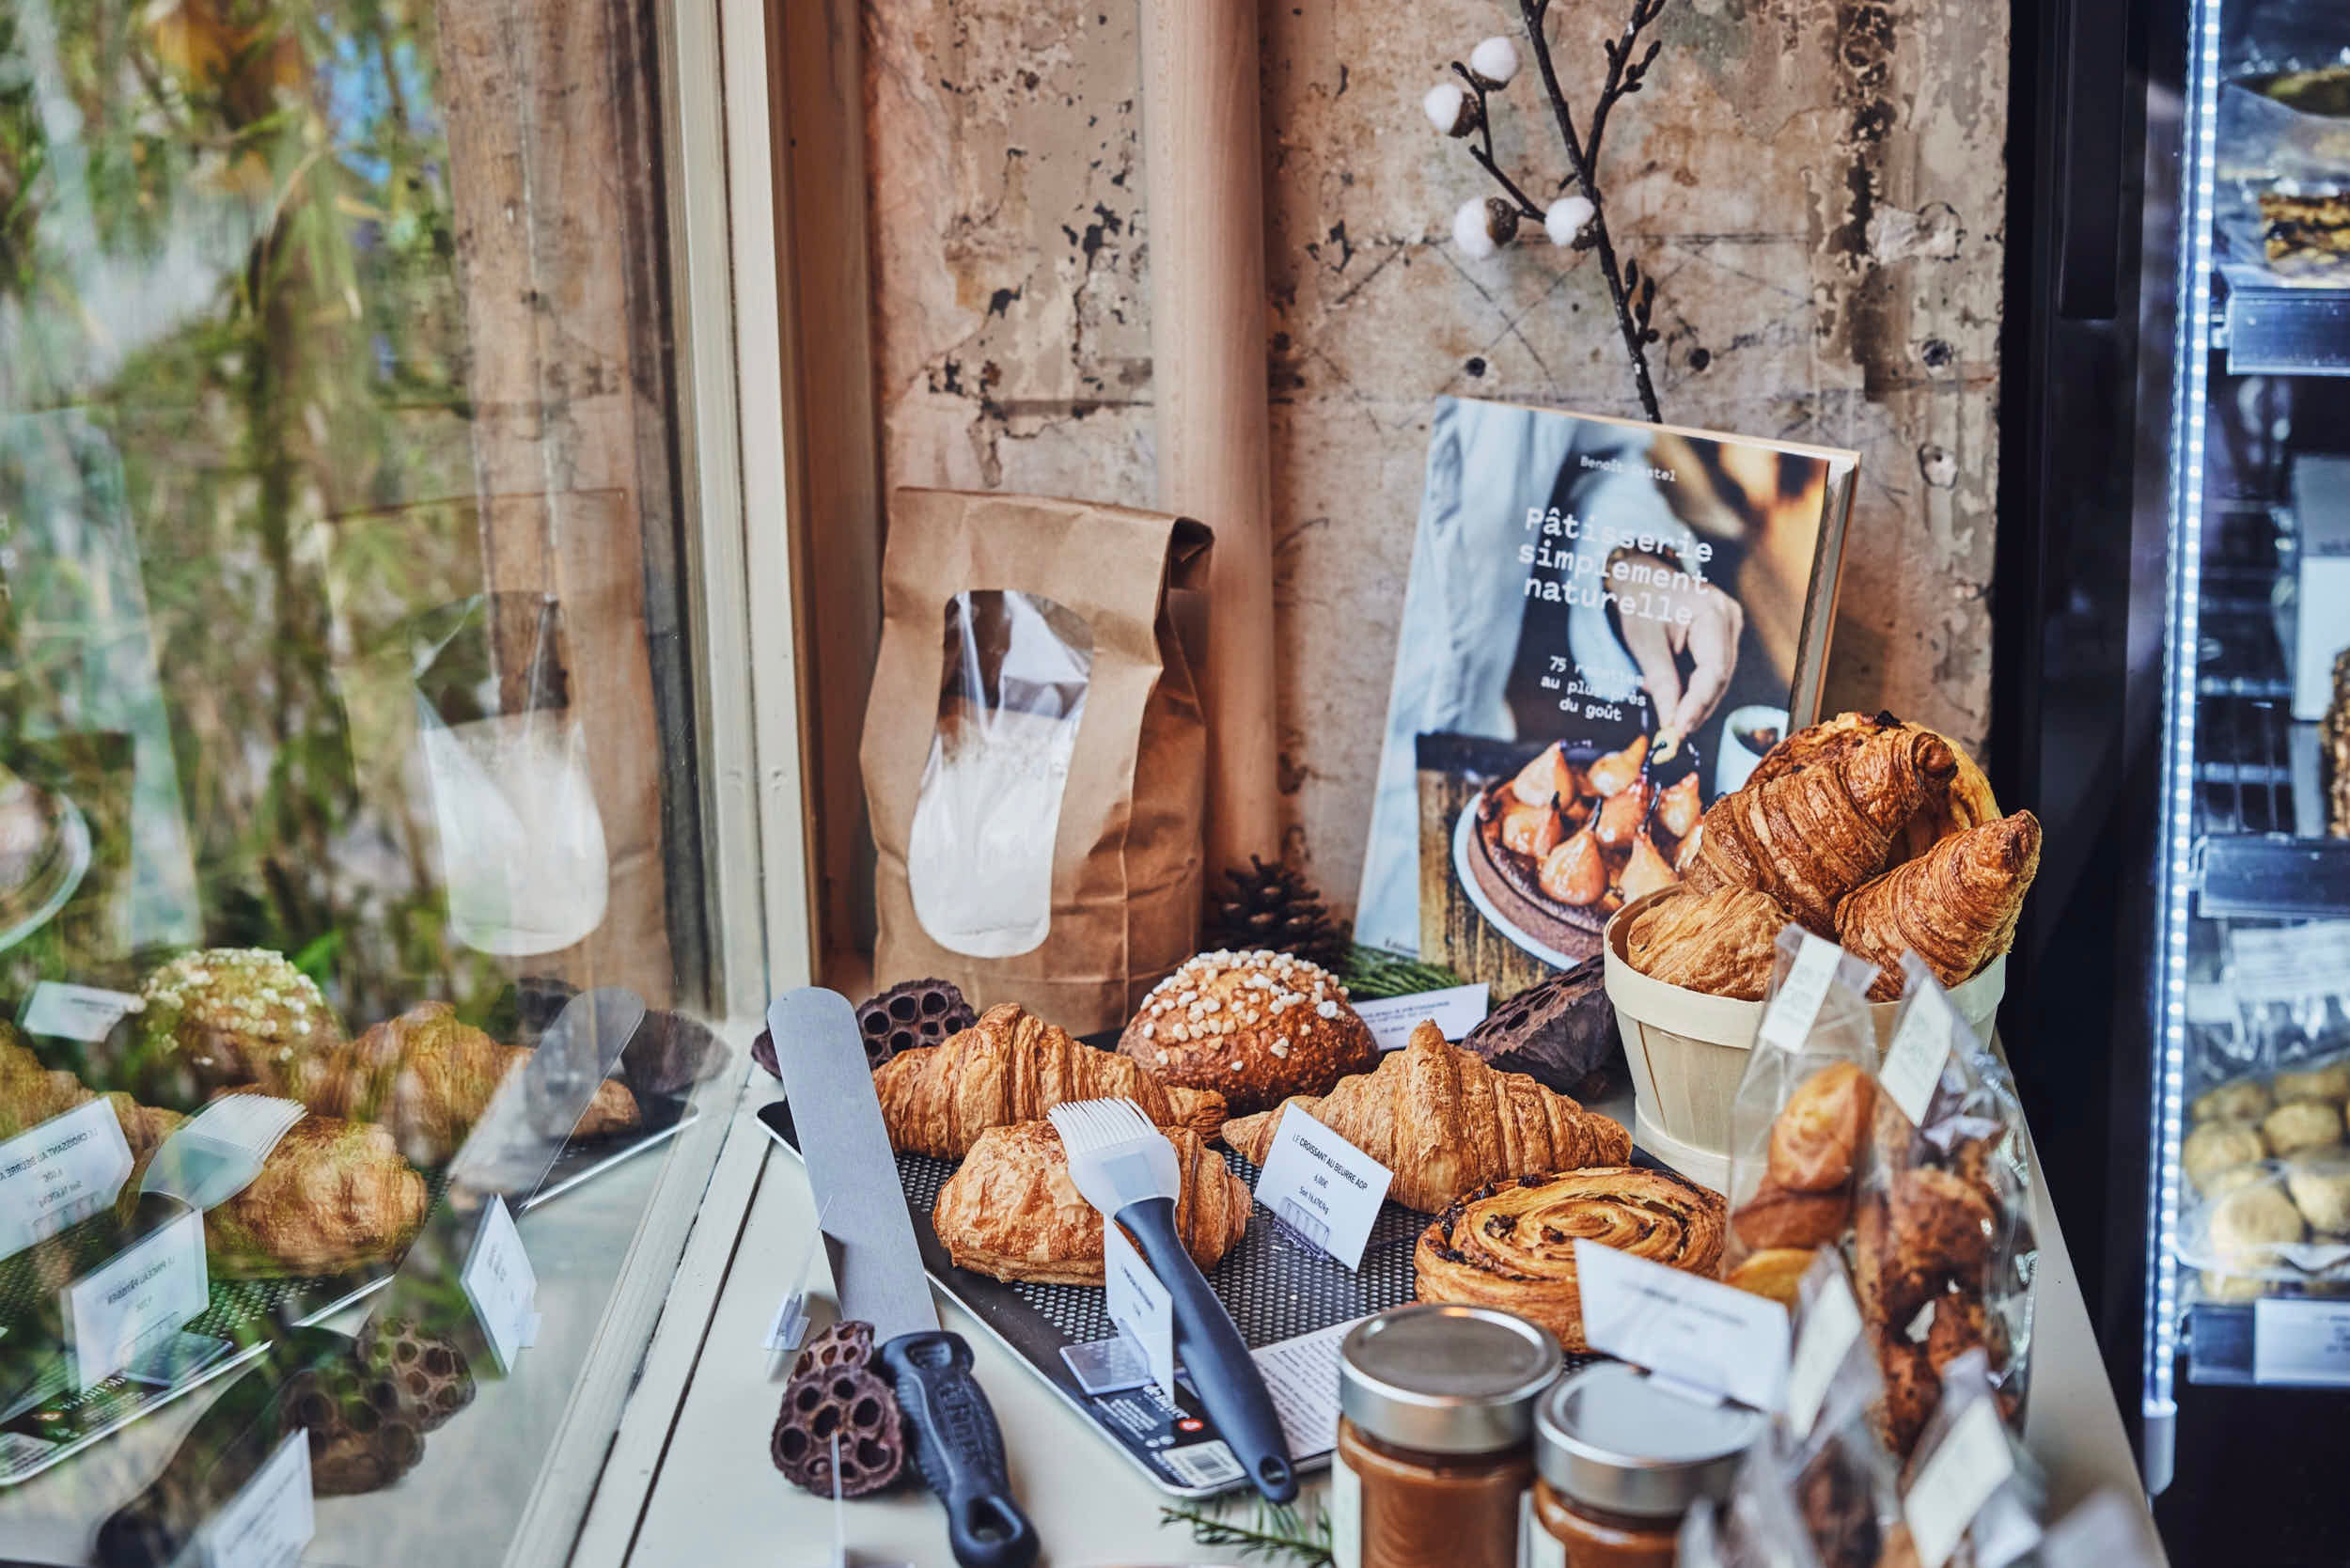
x: 2190, y: 375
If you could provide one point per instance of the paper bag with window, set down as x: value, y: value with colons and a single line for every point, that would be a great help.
x: 1035, y: 758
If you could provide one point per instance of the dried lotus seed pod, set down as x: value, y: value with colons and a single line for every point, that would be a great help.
x: 847, y: 1343
x: 428, y: 1373
x: 849, y: 1403
x: 904, y: 1017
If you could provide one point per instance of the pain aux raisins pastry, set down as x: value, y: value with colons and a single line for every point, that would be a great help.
x: 1253, y: 1027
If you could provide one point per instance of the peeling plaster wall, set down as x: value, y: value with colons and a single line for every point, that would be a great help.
x: 1816, y: 184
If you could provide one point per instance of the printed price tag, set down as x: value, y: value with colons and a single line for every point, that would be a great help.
x: 81, y: 1012
x: 1829, y: 1329
x: 1696, y: 1332
x: 1972, y: 1463
x: 1456, y: 1011
x: 1920, y: 1049
x: 1302, y: 1375
x: 498, y: 1282
x: 270, y: 1520
x: 60, y: 1173
x: 1788, y: 1017
x: 1139, y: 1304
x: 1322, y: 1187
x: 2301, y: 1340
x: 2288, y: 965
x: 144, y: 1294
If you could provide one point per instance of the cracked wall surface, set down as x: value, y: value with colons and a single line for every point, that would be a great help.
x: 1817, y: 186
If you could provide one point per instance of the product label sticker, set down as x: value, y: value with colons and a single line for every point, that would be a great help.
x: 144, y: 1293
x: 1139, y: 1304
x: 1456, y: 1011
x: 270, y: 1520
x: 1302, y: 1375
x: 1322, y: 1188
x: 1921, y: 1048
x: 2301, y: 1340
x: 1700, y: 1333
x: 82, y: 1012
x: 1830, y: 1328
x: 2294, y: 964
x: 1203, y: 1465
x: 498, y: 1281
x: 1787, y: 1018
x: 60, y: 1173
x: 1954, y: 1484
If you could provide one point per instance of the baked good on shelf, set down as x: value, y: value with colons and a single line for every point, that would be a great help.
x: 30, y: 1094
x: 1720, y: 941
x: 2334, y: 738
x: 1967, y: 802
x: 1775, y: 1272
x: 1775, y: 1218
x: 2250, y: 1221
x: 333, y: 1196
x: 1960, y: 1324
x: 2305, y: 230
x: 1911, y: 1390
x: 1816, y: 1136
x: 1443, y: 1121
x: 221, y: 1016
x: 2328, y: 1081
x: 2318, y: 1180
x: 1561, y: 1032
x: 1942, y: 1223
x: 1812, y: 836
x: 2302, y: 1124
x: 2232, y: 1287
x: 427, y: 1076
x: 1253, y: 1027
x: 1955, y: 906
x: 1012, y: 1212
x: 1013, y: 1066
x: 2220, y: 1183
x: 2217, y: 1146
x: 2244, y: 1099
x: 1510, y: 1243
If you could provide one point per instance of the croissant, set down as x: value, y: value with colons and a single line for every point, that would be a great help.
x: 1012, y: 1212
x: 1721, y: 943
x: 1955, y: 906
x: 1967, y: 803
x: 1811, y: 836
x: 332, y: 1196
x: 1443, y: 1121
x: 1013, y: 1066
x: 428, y: 1078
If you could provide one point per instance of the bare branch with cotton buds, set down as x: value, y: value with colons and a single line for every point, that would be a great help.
x: 1576, y: 219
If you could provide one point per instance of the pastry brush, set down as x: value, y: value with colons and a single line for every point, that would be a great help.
x: 1126, y: 1169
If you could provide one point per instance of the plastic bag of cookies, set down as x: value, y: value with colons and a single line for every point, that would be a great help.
x: 1800, y: 1116
x: 1942, y: 1238
x: 1970, y: 1495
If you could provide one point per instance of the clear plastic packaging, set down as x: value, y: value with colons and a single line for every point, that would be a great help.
x: 1971, y: 1494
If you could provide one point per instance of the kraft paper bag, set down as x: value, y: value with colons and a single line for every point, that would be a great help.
x: 1035, y: 756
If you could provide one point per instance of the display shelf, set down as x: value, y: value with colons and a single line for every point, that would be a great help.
x: 2273, y: 330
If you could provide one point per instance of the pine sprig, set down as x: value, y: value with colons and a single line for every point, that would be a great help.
x: 1372, y: 973
x: 1270, y: 1530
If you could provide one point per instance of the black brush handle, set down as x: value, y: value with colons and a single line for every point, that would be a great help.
x: 959, y: 1448
x: 1214, y: 1353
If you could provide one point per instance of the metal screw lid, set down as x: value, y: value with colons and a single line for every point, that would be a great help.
x: 1609, y: 1438
x: 1446, y: 1379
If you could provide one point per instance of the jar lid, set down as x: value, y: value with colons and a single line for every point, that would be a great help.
x: 1609, y: 1438
x: 1446, y: 1379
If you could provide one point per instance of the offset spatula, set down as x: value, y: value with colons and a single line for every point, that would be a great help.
x: 878, y: 1274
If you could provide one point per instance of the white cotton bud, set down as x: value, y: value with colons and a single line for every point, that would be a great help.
x: 1494, y: 61
x: 1450, y: 109
x: 1482, y: 226
x: 1565, y: 219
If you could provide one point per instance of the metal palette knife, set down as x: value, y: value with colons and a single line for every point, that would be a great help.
x: 957, y: 1444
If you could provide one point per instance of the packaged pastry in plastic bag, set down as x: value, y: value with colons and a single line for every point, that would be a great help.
x: 1943, y: 1249
x: 1971, y: 1495
x: 1801, y: 1114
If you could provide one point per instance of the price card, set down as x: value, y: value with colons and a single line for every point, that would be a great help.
x: 1787, y: 1018
x: 1699, y: 1333
x: 140, y: 1296
x: 2301, y: 1340
x: 270, y: 1520
x: 1921, y: 1048
x: 499, y: 1284
x: 1456, y: 1011
x: 81, y: 1012
x: 1830, y: 1328
x: 1951, y: 1487
x: 1139, y: 1304
x: 60, y: 1173
x: 1327, y: 1191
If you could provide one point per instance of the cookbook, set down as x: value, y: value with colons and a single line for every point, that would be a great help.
x: 1607, y: 624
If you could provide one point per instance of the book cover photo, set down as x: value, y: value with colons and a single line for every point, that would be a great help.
x: 1606, y: 625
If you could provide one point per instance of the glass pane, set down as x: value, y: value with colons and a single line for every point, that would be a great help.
x: 351, y: 848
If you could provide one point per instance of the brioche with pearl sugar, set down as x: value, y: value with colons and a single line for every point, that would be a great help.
x: 1253, y: 1027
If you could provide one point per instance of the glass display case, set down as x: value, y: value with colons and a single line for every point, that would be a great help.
x: 379, y: 880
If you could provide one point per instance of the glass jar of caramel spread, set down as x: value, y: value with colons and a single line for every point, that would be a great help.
x: 1620, y: 1459
x: 1437, y: 1417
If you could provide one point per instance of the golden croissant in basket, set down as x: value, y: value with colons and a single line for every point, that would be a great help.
x: 1510, y: 1244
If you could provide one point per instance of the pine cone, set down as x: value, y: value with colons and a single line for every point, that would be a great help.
x: 1273, y: 906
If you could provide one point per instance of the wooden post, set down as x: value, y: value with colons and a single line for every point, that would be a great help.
x: 1206, y: 209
